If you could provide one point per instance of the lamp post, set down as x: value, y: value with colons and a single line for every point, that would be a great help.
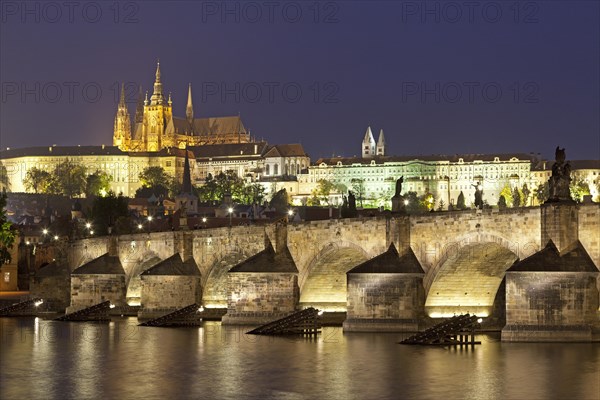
x: 230, y: 209
x: 204, y: 221
x: 149, y: 223
x: 290, y: 214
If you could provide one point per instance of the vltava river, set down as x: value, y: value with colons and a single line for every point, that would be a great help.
x: 59, y: 360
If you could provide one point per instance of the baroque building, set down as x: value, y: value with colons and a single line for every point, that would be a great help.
x: 155, y: 127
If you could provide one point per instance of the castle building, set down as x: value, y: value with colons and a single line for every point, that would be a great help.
x: 155, y: 127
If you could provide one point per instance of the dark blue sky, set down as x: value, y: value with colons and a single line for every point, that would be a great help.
x: 493, y: 77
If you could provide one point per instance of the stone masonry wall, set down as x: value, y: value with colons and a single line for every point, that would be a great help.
x: 589, y: 230
x: 54, y: 290
x: 385, y: 296
x: 261, y: 293
x: 164, y: 292
x: 87, y: 290
x: 551, y: 298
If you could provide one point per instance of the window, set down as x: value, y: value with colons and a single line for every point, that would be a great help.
x: 276, y: 169
x: 7, y: 277
x: 268, y: 170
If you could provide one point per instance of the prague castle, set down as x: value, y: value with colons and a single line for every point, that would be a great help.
x: 156, y: 138
x: 155, y: 128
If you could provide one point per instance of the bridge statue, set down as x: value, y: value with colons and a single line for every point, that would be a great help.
x: 559, y: 182
x: 478, y: 196
x: 352, y: 205
x: 398, y: 199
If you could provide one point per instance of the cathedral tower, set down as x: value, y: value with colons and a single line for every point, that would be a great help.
x: 157, y: 114
x: 368, y: 144
x: 122, y: 129
x: 381, y: 144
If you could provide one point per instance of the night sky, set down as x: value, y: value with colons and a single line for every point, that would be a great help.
x: 497, y: 77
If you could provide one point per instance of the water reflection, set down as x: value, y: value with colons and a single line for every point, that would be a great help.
x: 56, y: 360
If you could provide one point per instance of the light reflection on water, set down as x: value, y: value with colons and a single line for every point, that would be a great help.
x: 58, y: 360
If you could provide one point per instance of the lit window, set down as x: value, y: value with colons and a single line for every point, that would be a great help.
x: 7, y: 277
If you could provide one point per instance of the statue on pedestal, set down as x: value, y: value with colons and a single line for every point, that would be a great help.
x: 559, y: 182
x: 478, y: 196
x: 352, y: 205
x: 398, y: 200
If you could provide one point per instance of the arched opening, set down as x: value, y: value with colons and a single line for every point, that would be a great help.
x: 467, y: 281
x: 325, y: 286
x: 134, y: 288
x: 214, y: 293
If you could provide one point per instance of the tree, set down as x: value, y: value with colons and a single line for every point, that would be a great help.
x: 97, y: 183
x: 159, y: 181
x: 358, y: 188
x: 516, y: 197
x: 154, y: 176
x: 502, y: 202
x: 229, y: 183
x: 508, y: 195
x: 107, y: 211
x: 7, y: 233
x: 37, y: 179
x: 441, y: 205
x: 68, y: 179
x: 526, y: 192
x: 460, y: 202
x: 427, y: 202
x: 542, y: 192
x: 280, y: 202
x: 323, y: 190
x: 578, y: 189
x: 4, y: 181
x: 253, y: 194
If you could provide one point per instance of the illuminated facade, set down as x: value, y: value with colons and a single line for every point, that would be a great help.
x: 155, y: 128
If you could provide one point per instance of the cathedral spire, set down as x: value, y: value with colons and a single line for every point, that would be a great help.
x: 157, y: 96
x: 368, y: 144
x: 189, y: 110
x: 381, y: 144
x: 122, y: 99
x: 139, y: 110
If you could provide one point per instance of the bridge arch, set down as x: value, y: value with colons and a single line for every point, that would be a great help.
x: 134, y: 284
x: 469, y: 273
x: 452, y: 248
x: 323, y: 282
x: 214, y: 293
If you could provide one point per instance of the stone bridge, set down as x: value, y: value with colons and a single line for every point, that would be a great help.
x: 464, y: 253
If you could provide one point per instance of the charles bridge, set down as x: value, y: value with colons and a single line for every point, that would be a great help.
x: 463, y: 255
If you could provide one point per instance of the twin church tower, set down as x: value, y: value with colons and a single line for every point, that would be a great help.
x: 369, y: 148
x: 155, y: 127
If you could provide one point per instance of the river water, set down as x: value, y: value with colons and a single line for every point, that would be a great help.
x: 43, y: 359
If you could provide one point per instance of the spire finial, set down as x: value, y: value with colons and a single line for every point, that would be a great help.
x: 122, y: 99
x: 189, y: 109
x: 158, y: 70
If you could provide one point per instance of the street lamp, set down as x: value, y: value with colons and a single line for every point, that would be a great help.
x: 88, y: 225
x: 149, y: 223
x: 230, y: 209
x: 55, y: 237
x: 92, y: 233
x: 140, y: 226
